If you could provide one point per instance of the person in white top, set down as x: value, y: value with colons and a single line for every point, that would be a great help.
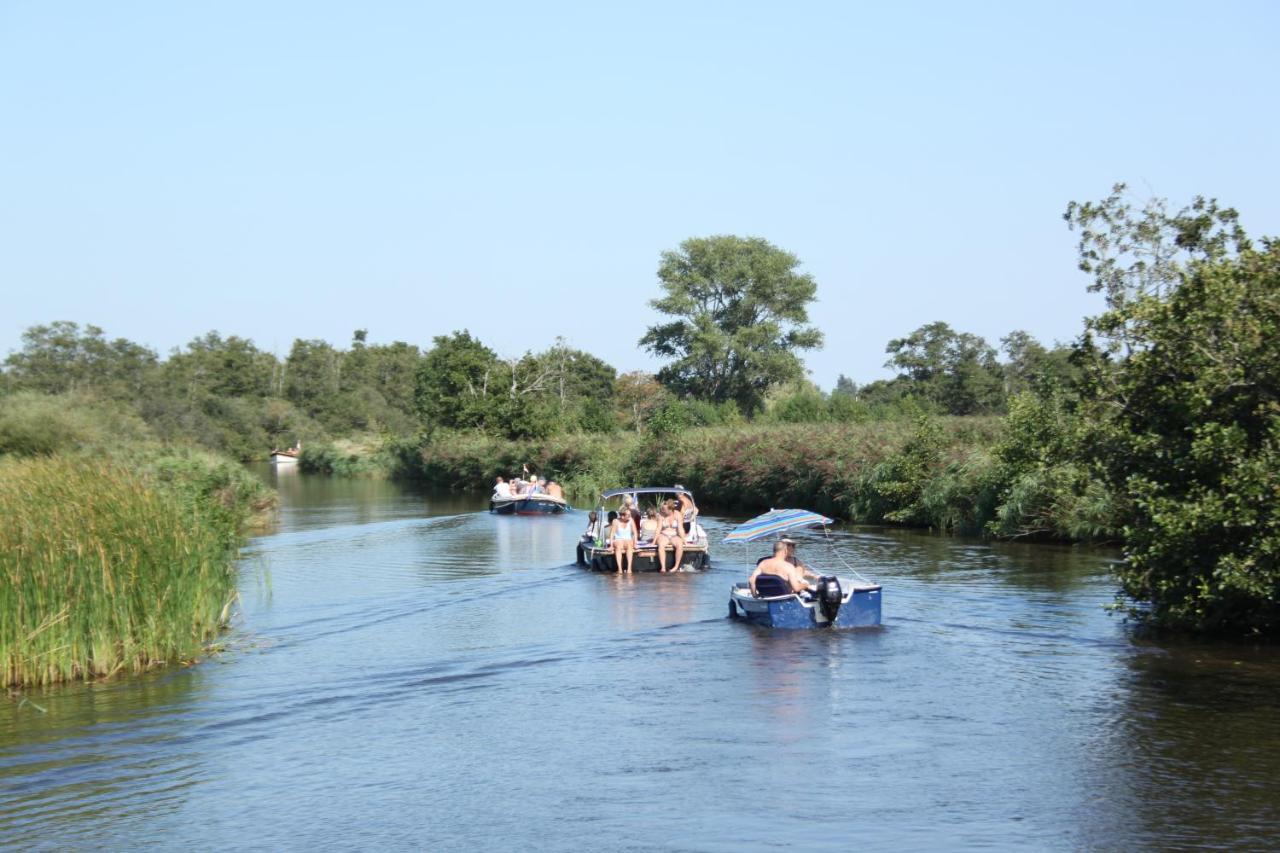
x: 501, y: 489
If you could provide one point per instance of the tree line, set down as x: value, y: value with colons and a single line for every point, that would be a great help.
x: 227, y: 394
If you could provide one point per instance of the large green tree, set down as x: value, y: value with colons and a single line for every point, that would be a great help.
x: 1181, y: 388
x: 456, y: 381
x: 61, y: 357
x: 740, y: 311
x: 957, y: 371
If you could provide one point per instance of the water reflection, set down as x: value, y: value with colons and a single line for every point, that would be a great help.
x: 74, y: 763
x: 1199, y: 743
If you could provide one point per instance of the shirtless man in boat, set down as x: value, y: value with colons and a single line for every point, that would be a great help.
x: 805, y: 571
x: 778, y: 565
x: 554, y: 490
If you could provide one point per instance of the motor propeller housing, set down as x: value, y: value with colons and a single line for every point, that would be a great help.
x: 829, y: 596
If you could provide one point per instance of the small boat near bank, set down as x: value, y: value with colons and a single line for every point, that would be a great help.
x: 285, y: 457
x: 538, y: 504
x: 595, y: 553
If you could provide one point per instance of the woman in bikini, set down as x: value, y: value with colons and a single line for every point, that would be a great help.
x: 669, y: 536
x: 622, y: 538
x: 649, y: 525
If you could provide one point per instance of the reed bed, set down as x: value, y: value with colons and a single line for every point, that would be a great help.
x: 109, y: 567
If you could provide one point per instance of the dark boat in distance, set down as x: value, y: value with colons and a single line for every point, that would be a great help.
x: 594, y: 551
x: 528, y: 505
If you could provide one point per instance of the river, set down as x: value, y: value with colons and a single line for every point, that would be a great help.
x: 409, y: 671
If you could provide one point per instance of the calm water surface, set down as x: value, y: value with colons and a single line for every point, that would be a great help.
x: 412, y: 672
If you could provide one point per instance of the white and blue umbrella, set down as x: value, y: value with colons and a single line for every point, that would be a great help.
x: 773, y: 522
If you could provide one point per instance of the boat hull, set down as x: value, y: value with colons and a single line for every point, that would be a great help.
x: 531, y: 505
x: 859, y: 608
x: 601, y: 559
x: 283, y: 459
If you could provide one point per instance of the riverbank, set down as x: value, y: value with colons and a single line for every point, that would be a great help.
x: 119, y: 563
x: 966, y: 475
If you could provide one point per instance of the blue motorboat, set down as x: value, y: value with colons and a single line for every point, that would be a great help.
x: 834, y: 603
x: 539, y: 504
x: 830, y: 602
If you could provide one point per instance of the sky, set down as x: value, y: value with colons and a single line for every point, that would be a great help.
x: 302, y: 170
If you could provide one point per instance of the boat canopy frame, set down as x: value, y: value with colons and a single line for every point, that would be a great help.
x: 646, y: 490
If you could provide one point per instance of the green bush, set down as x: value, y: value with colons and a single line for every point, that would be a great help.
x: 39, y: 424
x: 111, y: 565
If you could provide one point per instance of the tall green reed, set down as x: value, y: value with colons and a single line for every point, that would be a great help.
x: 107, y: 567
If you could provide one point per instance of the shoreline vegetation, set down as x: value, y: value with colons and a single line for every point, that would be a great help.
x: 1158, y: 428
x: 114, y: 559
x: 951, y: 474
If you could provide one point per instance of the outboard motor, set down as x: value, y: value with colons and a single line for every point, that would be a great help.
x: 829, y: 596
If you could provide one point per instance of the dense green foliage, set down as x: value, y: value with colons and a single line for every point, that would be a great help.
x: 740, y: 310
x: 1181, y: 409
x: 932, y: 472
x: 461, y: 384
x: 584, y: 463
x: 116, y: 553
x: 110, y: 565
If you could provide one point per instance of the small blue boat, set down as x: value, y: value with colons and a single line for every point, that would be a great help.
x: 528, y: 505
x: 833, y: 604
x: 829, y: 602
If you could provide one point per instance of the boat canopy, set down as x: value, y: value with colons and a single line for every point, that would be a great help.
x: 647, y: 490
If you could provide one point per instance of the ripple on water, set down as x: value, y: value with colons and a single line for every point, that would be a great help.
x: 414, y: 675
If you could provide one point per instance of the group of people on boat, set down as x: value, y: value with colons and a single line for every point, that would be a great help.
x: 517, y: 487
x: 665, y: 526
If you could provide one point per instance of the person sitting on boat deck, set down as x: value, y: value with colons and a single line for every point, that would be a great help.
x: 590, y: 532
x: 805, y: 571
x: 689, y: 510
x: 553, y: 489
x: 778, y: 566
x: 669, y: 537
x: 649, y: 525
x: 501, y: 489
x: 622, y: 539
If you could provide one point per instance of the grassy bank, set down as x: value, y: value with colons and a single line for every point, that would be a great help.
x: 964, y: 474
x: 584, y: 463
x: 931, y: 473
x: 121, y: 564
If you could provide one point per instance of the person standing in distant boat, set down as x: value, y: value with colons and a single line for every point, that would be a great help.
x: 690, y: 512
x: 622, y: 539
x: 588, y: 537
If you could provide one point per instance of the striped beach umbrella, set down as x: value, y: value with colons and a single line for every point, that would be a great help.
x: 775, y: 521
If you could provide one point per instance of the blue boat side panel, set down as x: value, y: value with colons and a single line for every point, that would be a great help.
x: 790, y: 614
x: 861, y: 611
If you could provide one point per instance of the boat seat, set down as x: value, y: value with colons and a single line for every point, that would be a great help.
x: 769, y: 586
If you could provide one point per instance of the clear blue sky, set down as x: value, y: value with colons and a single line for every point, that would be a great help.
x: 302, y: 170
